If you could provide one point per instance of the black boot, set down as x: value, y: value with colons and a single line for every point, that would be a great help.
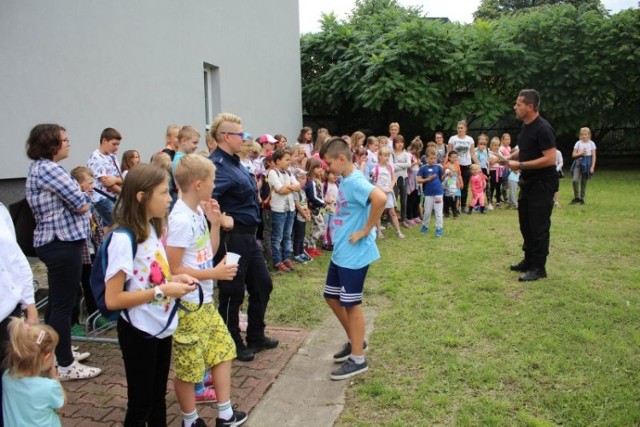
x: 533, y: 275
x: 521, y: 267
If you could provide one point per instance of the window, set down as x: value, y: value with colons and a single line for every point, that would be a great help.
x: 211, y: 92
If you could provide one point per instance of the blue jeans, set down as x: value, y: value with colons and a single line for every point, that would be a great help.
x: 105, y: 210
x: 282, y: 227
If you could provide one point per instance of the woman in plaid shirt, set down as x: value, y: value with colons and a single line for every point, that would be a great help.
x: 62, y: 225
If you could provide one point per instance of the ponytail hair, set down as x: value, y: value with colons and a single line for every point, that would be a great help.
x: 27, y: 345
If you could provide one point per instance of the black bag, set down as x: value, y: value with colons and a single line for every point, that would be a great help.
x: 25, y: 224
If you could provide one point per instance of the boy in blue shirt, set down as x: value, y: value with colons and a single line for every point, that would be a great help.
x: 359, y: 206
x: 430, y: 176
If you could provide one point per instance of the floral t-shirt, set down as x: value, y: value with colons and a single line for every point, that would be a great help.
x: 149, y: 268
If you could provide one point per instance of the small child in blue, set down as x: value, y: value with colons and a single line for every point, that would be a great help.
x: 358, y: 207
x: 31, y: 388
x: 431, y: 176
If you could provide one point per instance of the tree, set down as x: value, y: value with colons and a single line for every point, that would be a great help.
x: 396, y: 65
x: 494, y: 9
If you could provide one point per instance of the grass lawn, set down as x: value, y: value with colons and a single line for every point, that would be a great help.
x: 459, y: 341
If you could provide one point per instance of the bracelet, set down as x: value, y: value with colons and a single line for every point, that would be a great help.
x: 521, y: 166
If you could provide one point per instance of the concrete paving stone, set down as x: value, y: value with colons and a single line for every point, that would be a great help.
x: 94, y: 413
x: 102, y: 400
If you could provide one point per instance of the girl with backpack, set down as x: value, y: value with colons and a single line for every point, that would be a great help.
x: 384, y: 179
x: 142, y: 284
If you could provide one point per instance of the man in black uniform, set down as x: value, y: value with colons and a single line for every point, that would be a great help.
x: 237, y: 193
x: 536, y: 160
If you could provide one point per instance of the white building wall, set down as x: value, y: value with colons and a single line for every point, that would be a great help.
x: 137, y: 66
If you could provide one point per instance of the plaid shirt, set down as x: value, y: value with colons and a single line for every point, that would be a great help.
x: 54, y: 198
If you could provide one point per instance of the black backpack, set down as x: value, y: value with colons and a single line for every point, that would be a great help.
x: 25, y: 223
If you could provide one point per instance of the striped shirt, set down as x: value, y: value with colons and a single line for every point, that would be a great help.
x: 54, y: 198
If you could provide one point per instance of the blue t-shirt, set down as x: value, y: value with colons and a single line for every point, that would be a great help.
x: 30, y: 401
x: 433, y: 187
x: 352, y: 212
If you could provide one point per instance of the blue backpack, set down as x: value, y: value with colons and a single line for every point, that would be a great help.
x: 98, y: 271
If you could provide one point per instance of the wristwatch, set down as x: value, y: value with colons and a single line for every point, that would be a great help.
x: 157, y: 293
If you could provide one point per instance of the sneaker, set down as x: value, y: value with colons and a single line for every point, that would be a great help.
x: 209, y: 395
x: 289, y: 264
x: 198, y: 422
x: 400, y: 235
x: 237, y: 419
x: 406, y: 224
x: 380, y: 235
x: 382, y: 227
x: 265, y: 343
x: 344, y: 354
x: 243, y: 354
x: 77, y: 330
x: 78, y: 371
x: 438, y: 232
x: 556, y: 204
x: 306, y: 257
x: 282, y: 267
x: 208, y: 381
x: 299, y: 259
x: 80, y: 356
x: 309, y: 253
x: 581, y: 201
x: 424, y: 229
x: 349, y: 369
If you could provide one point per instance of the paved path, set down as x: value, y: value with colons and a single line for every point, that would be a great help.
x: 304, y: 395
x: 101, y: 401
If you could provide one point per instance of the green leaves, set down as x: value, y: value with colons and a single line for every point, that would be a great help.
x: 393, y: 61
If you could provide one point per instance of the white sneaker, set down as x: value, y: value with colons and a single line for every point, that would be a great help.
x: 80, y: 356
x: 400, y: 235
x: 78, y: 371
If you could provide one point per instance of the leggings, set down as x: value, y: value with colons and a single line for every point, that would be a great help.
x: 146, y: 365
x: 401, y: 189
x: 413, y: 205
x: 496, y: 184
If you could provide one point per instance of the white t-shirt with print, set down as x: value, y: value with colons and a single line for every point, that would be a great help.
x: 280, y: 202
x: 149, y: 268
x: 384, y: 176
x: 590, y: 146
x: 331, y: 194
x: 188, y: 229
x: 463, y: 148
x: 102, y: 165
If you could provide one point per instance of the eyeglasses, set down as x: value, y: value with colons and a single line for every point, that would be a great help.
x: 240, y: 134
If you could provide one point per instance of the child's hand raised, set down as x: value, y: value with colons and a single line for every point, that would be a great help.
x: 211, y: 209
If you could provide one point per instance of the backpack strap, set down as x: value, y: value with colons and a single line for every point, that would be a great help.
x: 134, y: 248
x: 105, y: 194
x: 178, y: 305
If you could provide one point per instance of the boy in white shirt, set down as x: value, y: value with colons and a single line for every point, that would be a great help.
x: 202, y: 340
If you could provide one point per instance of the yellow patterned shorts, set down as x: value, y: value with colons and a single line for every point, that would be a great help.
x: 201, y: 341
